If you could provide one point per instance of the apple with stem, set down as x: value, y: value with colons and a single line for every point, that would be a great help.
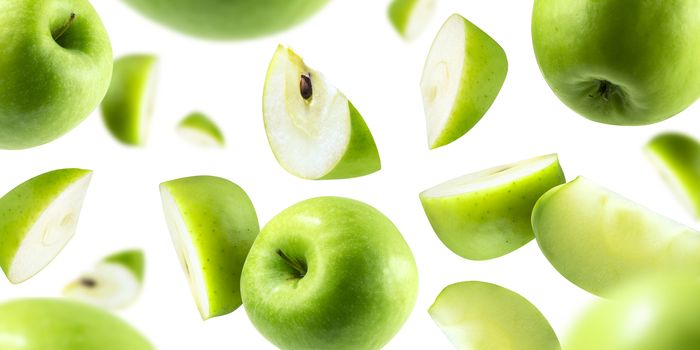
x: 201, y: 130
x: 411, y: 17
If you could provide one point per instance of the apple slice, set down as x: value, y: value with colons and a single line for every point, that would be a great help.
x: 463, y: 74
x: 410, y: 17
x: 479, y: 316
x: 677, y: 158
x: 213, y: 225
x: 127, y: 108
x: 313, y: 130
x: 201, y: 130
x: 114, y: 283
x: 487, y: 214
x: 38, y: 218
x: 597, y: 239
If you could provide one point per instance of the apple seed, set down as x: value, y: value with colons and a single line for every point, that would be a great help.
x: 305, y: 86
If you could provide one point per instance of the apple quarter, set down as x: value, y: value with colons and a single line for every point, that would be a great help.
x: 200, y: 130
x: 410, y: 17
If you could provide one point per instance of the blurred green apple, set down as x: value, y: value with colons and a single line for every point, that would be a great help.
x: 55, y: 67
x: 410, y: 17
x: 201, y: 130
x: 329, y: 273
x: 622, y: 62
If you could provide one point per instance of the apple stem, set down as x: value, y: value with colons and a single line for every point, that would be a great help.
x: 62, y: 30
x: 305, y: 86
x: 293, y: 263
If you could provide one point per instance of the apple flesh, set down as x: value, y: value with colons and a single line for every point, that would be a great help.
x: 201, y: 130
x: 487, y: 214
x: 483, y: 316
x: 621, y: 62
x: 463, y: 74
x: 597, y: 239
x: 213, y: 225
x: 313, y: 130
x: 55, y: 68
x: 410, y: 17
x: 329, y: 273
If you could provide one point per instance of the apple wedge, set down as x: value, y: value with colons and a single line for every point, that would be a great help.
x: 213, y: 225
x: 463, y: 74
x: 201, y: 130
x: 677, y: 158
x: 481, y: 316
x: 38, y: 218
x: 313, y: 130
x: 487, y: 214
x: 410, y: 17
x: 597, y: 239
x: 114, y: 283
x: 127, y: 108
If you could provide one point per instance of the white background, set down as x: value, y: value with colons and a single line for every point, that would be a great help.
x: 354, y: 45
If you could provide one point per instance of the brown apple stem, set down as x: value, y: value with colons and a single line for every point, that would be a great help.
x: 293, y: 263
x: 62, y: 30
x: 305, y: 86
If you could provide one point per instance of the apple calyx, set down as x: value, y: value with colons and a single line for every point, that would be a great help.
x: 604, y: 90
x: 62, y: 30
x: 305, y: 87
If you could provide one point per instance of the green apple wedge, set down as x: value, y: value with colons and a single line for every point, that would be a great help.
x: 329, y: 273
x: 410, y: 17
x: 55, y: 67
x: 114, y: 283
x: 598, y: 240
x: 313, y: 130
x: 621, y: 62
x: 213, y: 225
x: 483, y: 316
x: 677, y: 158
x: 487, y: 214
x: 127, y: 107
x: 462, y: 77
x: 201, y: 130
x: 59, y: 324
x: 38, y: 218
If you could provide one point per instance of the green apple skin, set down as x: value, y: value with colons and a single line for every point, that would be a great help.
x: 47, y: 86
x: 231, y: 19
x: 598, y: 240
x: 494, y: 221
x: 401, y: 13
x: 200, y: 123
x: 621, y: 62
x: 57, y: 324
x: 484, y: 316
x: 654, y: 313
x: 329, y: 273
x: 133, y: 260
x: 126, y: 108
x: 677, y: 157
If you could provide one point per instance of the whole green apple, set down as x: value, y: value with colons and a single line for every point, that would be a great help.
x: 230, y: 19
x: 622, y: 62
x: 329, y: 273
x: 55, y: 67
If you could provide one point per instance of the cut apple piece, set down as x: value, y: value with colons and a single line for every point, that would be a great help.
x: 313, y: 130
x: 487, y: 214
x: 201, y: 130
x: 410, y: 17
x: 213, y: 225
x: 114, y: 283
x: 127, y: 107
x: 597, y: 239
x: 463, y: 74
x: 677, y: 158
x: 480, y: 316
x: 37, y: 219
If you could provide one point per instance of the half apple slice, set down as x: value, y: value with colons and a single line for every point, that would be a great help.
x: 410, y: 17
x: 200, y: 130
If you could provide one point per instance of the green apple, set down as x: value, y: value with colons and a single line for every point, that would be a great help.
x: 312, y: 128
x: 463, y: 74
x: 654, y: 313
x: 677, y: 158
x: 410, y: 17
x: 483, y: 316
x: 127, y: 108
x: 54, y: 324
x: 329, y: 273
x: 114, y: 283
x: 230, y: 19
x: 597, y: 239
x: 55, y: 67
x: 213, y: 225
x: 622, y: 62
x: 38, y: 218
x: 201, y: 130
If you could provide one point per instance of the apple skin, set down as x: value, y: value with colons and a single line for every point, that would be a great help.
x: 200, y: 123
x: 622, y: 62
x: 46, y: 87
x: 231, y: 19
x: 134, y: 260
x: 58, y: 324
x: 360, y: 283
